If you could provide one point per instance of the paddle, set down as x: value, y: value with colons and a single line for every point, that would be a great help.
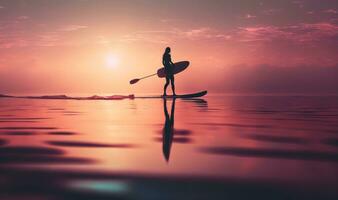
x: 177, y: 68
x: 138, y: 79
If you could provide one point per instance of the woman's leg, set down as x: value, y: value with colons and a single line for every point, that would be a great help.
x: 165, y: 86
x: 172, y: 80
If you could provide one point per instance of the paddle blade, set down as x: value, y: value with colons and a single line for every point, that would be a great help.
x: 134, y: 81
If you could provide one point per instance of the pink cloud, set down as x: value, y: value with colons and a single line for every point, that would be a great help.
x: 304, y: 32
x: 167, y: 36
x: 260, y: 33
x: 331, y: 11
x: 48, y: 39
x: 72, y: 27
x: 14, y: 33
x: 249, y: 16
x: 271, y: 11
x: 298, y: 33
x: 299, y: 3
x: 23, y: 17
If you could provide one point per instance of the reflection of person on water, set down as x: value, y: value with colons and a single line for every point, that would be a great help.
x: 168, y: 129
x: 168, y: 67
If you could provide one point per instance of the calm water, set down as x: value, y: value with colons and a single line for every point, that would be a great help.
x: 215, y: 147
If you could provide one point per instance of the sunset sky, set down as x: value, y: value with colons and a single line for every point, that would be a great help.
x: 97, y: 46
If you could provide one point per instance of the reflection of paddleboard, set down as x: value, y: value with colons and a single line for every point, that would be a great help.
x: 179, y: 66
x: 186, y: 96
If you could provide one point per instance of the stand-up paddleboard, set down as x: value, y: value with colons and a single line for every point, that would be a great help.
x: 183, y: 96
x: 192, y: 95
x: 178, y: 67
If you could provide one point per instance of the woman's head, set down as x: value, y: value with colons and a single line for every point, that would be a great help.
x: 167, y: 50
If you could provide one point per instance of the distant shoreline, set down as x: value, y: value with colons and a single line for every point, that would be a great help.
x: 65, y: 97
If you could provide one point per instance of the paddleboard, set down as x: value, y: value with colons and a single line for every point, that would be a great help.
x: 179, y: 67
x: 183, y: 96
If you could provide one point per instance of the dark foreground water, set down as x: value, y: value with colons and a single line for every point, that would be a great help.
x: 217, y: 147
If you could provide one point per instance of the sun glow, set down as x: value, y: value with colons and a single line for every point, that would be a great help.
x: 112, y: 61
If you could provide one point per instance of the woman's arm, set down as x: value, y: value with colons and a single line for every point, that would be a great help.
x: 163, y: 63
x: 170, y: 61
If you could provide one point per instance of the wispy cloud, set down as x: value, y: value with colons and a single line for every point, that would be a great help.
x: 48, y: 39
x: 167, y: 36
x: 304, y: 32
x: 167, y: 20
x: 271, y: 11
x: 72, y: 27
x: 14, y: 33
x: 299, y: 3
x: 258, y: 33
x: 249, y: 16
x: 203, y: 33
x: 103, y: 40
x: 331, y: 11
x: 147, y: 36
x: 23, y: 17
x: 298, y: 33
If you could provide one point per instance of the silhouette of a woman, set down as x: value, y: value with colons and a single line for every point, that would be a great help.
x: 168, y: 68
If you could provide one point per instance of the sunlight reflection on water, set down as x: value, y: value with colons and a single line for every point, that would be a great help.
x: 288, y: 139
